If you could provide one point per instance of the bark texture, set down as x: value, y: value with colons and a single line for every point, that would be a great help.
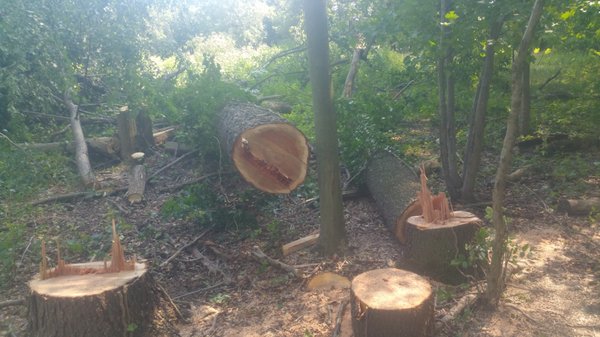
x: 495, y: 277
x: 390, y: 303
x: 137, y: 184
x: 115, y: 304
x: 268, y: 152
x: 433, y: 246
x: 82, y: 158
x: 393, y: 185
x: 328, y: 166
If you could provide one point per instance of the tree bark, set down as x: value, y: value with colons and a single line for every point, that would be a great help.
x: 349, y: 83
x: 433, y: 245
x: 137, y: 184
x: 267, y: 151
x: 126, y: 303
x: 495, y: 277
x: 81, y: 151
x: 393, y: 185
x: 446, y: 109
x: 525, y: 115
x: 127, y: 134
x: 578, y: 206
x: 391, y: 302
x: 330, y: 193
x: 475, y: 139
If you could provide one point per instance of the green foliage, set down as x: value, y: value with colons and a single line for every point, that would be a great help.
x: 198, y: 102
x: 24, y: 173
x: 203, y: 205
x: 11, y: 244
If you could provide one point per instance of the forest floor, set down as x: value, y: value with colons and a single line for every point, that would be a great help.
x: 222, y: 291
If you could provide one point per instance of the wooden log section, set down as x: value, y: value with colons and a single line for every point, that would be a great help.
x: 579, y: 206
x: 137, y: 179
x: 269, y: 153
x: 433, y: 245
x: 126, y: 303
x: 103, y: 298
x: 390, y: 303
x: 393, y: 186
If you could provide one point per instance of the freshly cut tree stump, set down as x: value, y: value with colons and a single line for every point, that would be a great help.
x: 270, y: 153
x: 433, y: 245
x: 391, y: 303
x: 579, y: 206
x: 126, y: 303
x: 392, y: 185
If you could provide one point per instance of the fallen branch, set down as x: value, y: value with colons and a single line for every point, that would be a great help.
x: 199, y: 290
x: 338, y: 318
x: 457, y: 309
x: 76, y: 195
x: 184, y: 247
x: 162, y: 169
x: 262, y: 257
x: 10, y: 141
x: 187, y: 183
x: 10, y: 303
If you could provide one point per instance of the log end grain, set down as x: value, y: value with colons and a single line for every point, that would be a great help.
x: 391, y: 302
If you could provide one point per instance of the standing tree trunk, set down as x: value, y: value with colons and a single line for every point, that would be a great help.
x: 127, y: 134
x: 446, y: 109
x: 330, y: 192
x: 350, y: 78
x: 495, y: 279
x: 82, y: 158
x: 525, y: 115
x: 477, y: 126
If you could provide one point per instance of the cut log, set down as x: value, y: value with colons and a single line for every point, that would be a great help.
x: 392, y: 185
x: 127, y: 134
x: 82, y: 158
x: 269, y: 153
x: 390, y: 303
x: 433, y: 245
x: 137, y: 184
x: 126, y: 303
x: 579, y: 206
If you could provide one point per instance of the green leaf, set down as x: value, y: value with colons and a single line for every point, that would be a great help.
x: 566, y: 15
x: 451, y: 16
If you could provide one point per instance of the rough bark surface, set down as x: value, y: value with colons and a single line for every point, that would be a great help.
x: 137, y: 184
x: 127, y: 134
x: 390, y: 303
x: 82, y: 158
x: 393, y: 185
x: 114, y: 304
x: 433, y: 246
x: 269, y: 153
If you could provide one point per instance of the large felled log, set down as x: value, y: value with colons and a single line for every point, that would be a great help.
x: 392, y: 185
x: 269, y: 153
x: 391, y: 302
x: 81, y: 151
x: 433, y: 245
x: 579, y: 206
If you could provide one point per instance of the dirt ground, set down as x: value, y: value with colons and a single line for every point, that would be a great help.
x: 222, y: 291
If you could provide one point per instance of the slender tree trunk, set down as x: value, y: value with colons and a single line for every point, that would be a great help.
x: 446, y: 110
x: 477, y: 127
x: 525, y: 115
x: 496, y: 277
x: 350, y: 78
x: 330, y: 194
x: 81, y: 151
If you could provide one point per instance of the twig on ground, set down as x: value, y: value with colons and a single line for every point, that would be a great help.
x: 76, y: 195
x: 119, y: 207
x: 184, y: 247
x: 457, y: 309
x: 180, y: 158
x: 526, y: 315
x: 339, y: 317
x: 186, y: 183
x: 175, y: 307
x: 27, y: 248
x: 10, y: 303
x: 262, y: 257
x: 199, y: 290
x: 213, y: 326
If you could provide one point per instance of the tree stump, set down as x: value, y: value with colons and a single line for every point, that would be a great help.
x: 137, y: 179
x: 433, y: 245
x: 392, y: 185
x: 126, y: 303
x: 391, y: 303
x: 270, y: 153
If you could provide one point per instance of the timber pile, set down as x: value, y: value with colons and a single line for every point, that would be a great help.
x: 267, y: 151
x: 438, y: 236
x: 391, y: 302
x: 392, y: 185
x: 110, y: 298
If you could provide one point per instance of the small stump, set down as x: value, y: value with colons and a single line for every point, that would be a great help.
x: 433, y: 245
x: 126, y: 303
x: 391, y: 302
